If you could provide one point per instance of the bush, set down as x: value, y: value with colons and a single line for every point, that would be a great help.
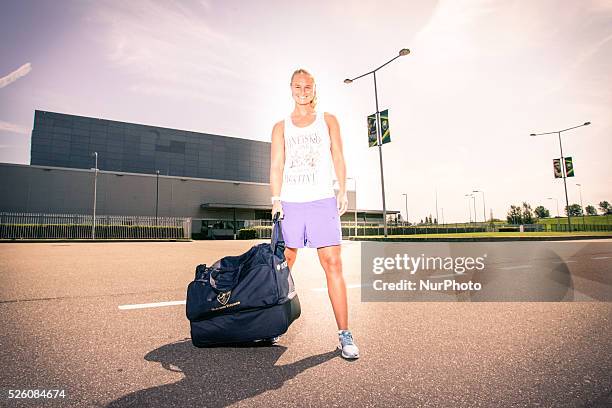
x: 509, y: 229
x: 247, y: 233
x: 83, y: 231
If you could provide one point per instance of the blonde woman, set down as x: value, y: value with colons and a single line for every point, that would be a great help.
x: 306, y: 149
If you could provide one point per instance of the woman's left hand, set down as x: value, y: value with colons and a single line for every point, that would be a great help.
x: 342, y: 203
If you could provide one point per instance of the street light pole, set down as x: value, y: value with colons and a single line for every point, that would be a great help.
x: 406, y: 203
x: 474, y: 199
x: 581, y: 206
x: 558, y: 132
x: 484, y: 211
x: 402, y: 52
x: 93, y: 226
x: 355, y: 181
x: 156, y: 195
x: 469, y: 207
x: 437, y: 217
x: 382, y: 175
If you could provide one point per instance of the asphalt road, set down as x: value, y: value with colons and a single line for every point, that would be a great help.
x: 62, y: 329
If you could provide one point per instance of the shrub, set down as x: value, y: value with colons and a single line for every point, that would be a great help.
x: 247, y: 233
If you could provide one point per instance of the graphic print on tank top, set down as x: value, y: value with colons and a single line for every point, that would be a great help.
x: 304, y: 154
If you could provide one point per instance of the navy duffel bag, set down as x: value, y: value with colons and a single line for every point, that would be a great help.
x: 244, y: 298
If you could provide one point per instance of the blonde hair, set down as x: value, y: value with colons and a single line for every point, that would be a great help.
x: 314, y: 101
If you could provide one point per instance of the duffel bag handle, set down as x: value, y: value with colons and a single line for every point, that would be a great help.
x: 278, y: 242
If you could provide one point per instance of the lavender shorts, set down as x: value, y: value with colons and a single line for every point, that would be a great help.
x: 314, y: 224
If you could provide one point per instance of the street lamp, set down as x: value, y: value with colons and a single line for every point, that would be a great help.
x: 402, y: 52
x: 484, y: 211
x: 437, y: 217
x: 156, y: 194
x: 355, y: 181
x: 406, y: 203
x: 95, y: 169
x: 569, y: 222
x: 473, y: 198
x: 581, y: 206
x: 470, y: 208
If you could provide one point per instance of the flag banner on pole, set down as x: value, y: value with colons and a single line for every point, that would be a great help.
x: 384, y: 126
x: 569, y: 167
x: 557, y: 168
x: 372, y: 137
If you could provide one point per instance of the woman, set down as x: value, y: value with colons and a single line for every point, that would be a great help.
x: 305, y: 146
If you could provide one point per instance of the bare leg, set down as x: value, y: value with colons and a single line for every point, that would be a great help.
x: 290, y: 255
x: 336, y: 288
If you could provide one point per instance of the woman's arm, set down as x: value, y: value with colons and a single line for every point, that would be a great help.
x: 338, y: 159
x: 277, y: 163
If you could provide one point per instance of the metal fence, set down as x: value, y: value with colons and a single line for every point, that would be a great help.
x: 579, y: 227
x: 263, y: 228
x: 80, y: 226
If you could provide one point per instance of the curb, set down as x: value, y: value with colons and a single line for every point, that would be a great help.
x: 483, y: 239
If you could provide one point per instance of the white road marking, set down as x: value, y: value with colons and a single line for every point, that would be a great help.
x: 507, y: 268
x: 148, y: 305
x: 564, y: 262
x: 602, y: 257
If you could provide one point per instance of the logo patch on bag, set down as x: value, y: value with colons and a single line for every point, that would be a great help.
x: 224, y: 297
x: 281, y: 266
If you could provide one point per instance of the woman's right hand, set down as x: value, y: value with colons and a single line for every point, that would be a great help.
x: 277, y: 207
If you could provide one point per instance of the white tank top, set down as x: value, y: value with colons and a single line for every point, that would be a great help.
x: 308, y: 172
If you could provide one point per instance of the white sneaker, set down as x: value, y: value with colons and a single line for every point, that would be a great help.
x: 347, y: 345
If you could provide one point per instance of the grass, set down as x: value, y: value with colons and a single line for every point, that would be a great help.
x: 497, y: 234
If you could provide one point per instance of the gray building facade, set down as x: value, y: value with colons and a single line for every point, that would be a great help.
x: 62, y: 140
x: 218, y: 205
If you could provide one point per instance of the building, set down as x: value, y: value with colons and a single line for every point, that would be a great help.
x: 61, y: 140
x: 218, y: 181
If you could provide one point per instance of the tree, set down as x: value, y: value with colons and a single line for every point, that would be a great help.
x: 514, y: 215
x: 435, y: 221
x: 541, y: 212
x: 590, y: 210
x: 605, y: 207
x: 573, y: 210
x: 527, y: 215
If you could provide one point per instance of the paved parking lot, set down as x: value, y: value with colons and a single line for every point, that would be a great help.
x: 62, y: 328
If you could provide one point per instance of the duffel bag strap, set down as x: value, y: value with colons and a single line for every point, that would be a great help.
x: 278, y: 242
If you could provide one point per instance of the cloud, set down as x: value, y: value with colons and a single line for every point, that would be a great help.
x: 13, y: 128
x: 172, y: 50
x: 15, y: 75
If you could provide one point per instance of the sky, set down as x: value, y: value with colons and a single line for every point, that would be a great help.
x: 481, y: 76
